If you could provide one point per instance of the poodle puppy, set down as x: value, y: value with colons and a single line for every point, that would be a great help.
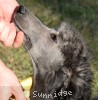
x: 61, y: 60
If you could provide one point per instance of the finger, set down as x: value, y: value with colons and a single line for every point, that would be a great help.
x: 11, y: 36
x: 4, y: 93
x: 18, y: 39
x: 2, y: 24
x: 1, y: 21
x: 1, y: 14
x: 19, y: 95
x: 5, y: 32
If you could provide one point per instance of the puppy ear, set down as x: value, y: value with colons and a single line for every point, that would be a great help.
x: 60, y: 80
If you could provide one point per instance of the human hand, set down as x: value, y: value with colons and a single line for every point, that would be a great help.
x: 8, y: 34
x: 9, y: 84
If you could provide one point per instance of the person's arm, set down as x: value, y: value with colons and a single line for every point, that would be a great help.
x: 9, y: 84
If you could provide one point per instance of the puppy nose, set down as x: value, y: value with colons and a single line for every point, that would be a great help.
x: 22, y: 10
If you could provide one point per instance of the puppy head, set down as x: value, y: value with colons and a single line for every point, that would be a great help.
x: 41, y: 41
x: 49, y: 48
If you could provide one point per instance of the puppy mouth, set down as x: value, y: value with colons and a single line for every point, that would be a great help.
x: 20, y: 20
x: 29, y: 23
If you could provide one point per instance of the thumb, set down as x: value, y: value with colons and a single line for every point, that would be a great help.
x: 18, y: 93
x: 8, y: 7
x: 1, y: 14
x: 4, y: 93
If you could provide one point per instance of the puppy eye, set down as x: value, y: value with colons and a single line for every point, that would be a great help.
x: 54, y: 37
